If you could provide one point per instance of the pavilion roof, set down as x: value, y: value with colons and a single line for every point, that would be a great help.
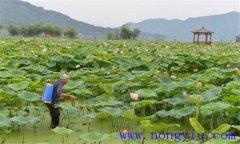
x: 202, y: 30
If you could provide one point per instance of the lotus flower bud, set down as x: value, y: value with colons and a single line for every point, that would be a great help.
x: 236, y: 69
x: 173, y: 76
x: 77, y: 66
x: 44, y: 50
x: 113, y: 67
x: 185, y: 93
x: 195, y: 70
x: 199, y: 85
x: 210, y: 135
x: 154, y: 76
x: 102, y: 69
x: 228, y: 66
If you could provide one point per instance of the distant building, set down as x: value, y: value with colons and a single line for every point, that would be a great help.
x: 238, y: 39
x: 202, y: 31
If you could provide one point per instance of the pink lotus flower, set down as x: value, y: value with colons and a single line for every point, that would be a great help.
x: 134, y: 96
x: 125, y: 132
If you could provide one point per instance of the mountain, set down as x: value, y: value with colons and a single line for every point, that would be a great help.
x: 225, y: 27
x: 20, y: 12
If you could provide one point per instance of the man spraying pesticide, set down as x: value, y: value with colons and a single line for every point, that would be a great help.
x: 51, y: 96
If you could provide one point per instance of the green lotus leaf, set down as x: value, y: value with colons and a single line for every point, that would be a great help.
x: 164, y: 113
x: 103, y: 116
x: 196, y: 125
x: 108, y: 88
x: 36, y: 82
x: 4, y: 62
x: 114, y: 112
x: 184, y: 112
x: 233, y: 85
x: 129, y: 114
x: 4, y: 122
x: 165, y: 79
x: 67, y: 107
x: 146, y: 93
x: 41, y: 109
x: 94, y: 137
x: 5, y: 74
x: 19, y: 86
x: 211, y: 94
x: 34, y: 120
x: 235, y: 91
x: 110, y: 103
x: 174, y: 101
x: 145, y: 124
x: 3, y: 110
x: 236, y: 127
x: 16, y: 72
x: 19, y: 120
x: 176, y: 113
x: 29, y: 96
x: 194, y: 99
x: 214, y: 107
x: 143, y: 103
x: 82, y: 92
x: 72, y: 85
x: 222, y: 128
x: 90, y: 115
x: 163, y: 126
x: 63, y: 131
x: 232, y: 98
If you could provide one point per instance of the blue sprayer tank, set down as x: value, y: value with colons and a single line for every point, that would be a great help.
x: 47, y: 93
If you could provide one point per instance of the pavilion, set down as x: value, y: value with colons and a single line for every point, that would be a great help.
x: 202, y: 31
x: 238, y: 39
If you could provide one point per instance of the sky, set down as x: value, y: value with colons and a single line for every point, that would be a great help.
x: 114, y: 13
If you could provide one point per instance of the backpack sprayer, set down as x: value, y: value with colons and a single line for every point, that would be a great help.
x: 47, y: 96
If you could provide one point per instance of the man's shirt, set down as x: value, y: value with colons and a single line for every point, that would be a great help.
x: 57, y: 91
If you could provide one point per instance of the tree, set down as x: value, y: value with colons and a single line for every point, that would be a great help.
x: 23, y: 30
x: 52, y: 30
x: 13, y: 30
x: 126, y: 33
x: 117, y: 35
x: 70, y: 32
x: 34, y: 29
x: 1, y: 25
x: 135, y: 33
x: 110, y: 35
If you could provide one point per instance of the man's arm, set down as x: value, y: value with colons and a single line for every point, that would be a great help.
x: 59, y: 93
x: 68, y: 95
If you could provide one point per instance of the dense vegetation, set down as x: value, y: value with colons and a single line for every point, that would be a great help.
x: 121, y: 85
x: 125, y: 33
x: 36, y: 30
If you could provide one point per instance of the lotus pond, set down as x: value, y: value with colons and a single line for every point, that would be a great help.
x: 122, y: 86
